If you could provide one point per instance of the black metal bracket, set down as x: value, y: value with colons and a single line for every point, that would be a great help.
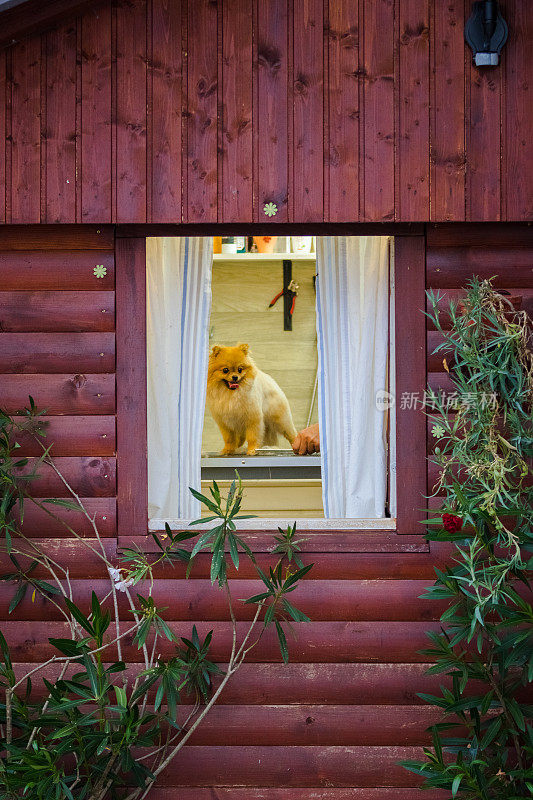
x: 287, y: 295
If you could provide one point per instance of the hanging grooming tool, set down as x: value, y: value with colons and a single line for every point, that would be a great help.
x: 289, y: 292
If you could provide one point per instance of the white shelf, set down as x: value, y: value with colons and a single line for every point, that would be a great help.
x: 264, y: 257
x: 281, y: 460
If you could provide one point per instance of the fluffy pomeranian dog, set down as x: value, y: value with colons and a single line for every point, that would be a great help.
x: 247, y: 404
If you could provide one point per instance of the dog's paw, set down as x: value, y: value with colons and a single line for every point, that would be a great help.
x: 227, y: 451
x: 251, y: 451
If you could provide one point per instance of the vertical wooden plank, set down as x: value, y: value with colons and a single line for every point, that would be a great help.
x: 202, y: 19
x: 166, y: 111
x: 9, y: 137
x: 343, y: 112
x: 59, y: 143
x: 236, y: 200
x: 448, y: 117
x: 3, y: 135
x: 132, y: 478
x: 410, y: 339
x: 377, y: 73
x: 95, y: 143
x: 308, y: 122
x: 131, y: 111
x: 272, y: 109
x: 518, y: 114
x: 413, y: 135
x: 26, y: 131
x: 483, y: 144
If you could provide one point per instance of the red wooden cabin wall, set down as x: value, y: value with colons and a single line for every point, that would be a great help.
x: 202, y: 111
x: 334, y: 722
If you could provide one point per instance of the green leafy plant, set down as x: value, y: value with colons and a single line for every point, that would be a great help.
x: 100, y: 727
x: 483, y: 748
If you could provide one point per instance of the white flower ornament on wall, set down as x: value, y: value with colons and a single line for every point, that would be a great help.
x: 270, y: 209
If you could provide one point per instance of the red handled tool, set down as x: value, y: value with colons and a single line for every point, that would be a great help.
x: 292, y: 291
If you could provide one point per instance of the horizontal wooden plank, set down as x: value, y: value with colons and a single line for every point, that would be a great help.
x: 294, y: 793
x: 295, y: 766
x: 449, y: 295
x: 435, y: 361
x: 56, y: 270
x: 329, y: 541
x: 70, y: 551
x: 57, y: 352
x: 72, y: 393
x: 315, y: 642
x: 471, y: 234
x: 199, y: 599
x: 452, y: 267
x: 433, y: 471
x: 38, y: 524
x: 440, y: 382
x: 297, y: 725
x: 57, y: 311
x: 325, y: 684
x: 326, y: 566
x: 55, y: 237
x: 88, y: 477
x: 71, y: 436
x: 340, y: 685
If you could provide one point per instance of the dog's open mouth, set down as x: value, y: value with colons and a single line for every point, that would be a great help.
x: 231, y: 384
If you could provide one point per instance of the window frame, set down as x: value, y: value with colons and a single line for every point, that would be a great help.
x: 410, y: 347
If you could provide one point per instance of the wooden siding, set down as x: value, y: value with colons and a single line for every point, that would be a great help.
x: 334, y: 722
x: 345, y: 710
x: 453, y: 256
x: 199, y: 111
x: 57, y: 343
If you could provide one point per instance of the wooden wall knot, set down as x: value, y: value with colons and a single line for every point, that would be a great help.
x: 350, y: 40
x: 243, y: 125
x: 420, y: 31
x: 205, y: 88
x: 269, y: 56
x: 78, y: 381
x: 334, y: 156
x: 301, y: 84
x: 136, y: 127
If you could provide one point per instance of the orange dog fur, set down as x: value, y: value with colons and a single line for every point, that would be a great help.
x: 247, y: 404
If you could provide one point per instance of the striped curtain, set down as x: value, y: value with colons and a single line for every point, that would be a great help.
x: 178, y: 304
x: 353, y: 342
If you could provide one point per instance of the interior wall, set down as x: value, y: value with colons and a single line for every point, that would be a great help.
x: 242, y: 292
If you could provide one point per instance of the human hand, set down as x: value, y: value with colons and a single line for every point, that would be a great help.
x: 307, y: 441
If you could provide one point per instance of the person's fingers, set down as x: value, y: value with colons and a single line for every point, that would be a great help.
x: 296, y: 444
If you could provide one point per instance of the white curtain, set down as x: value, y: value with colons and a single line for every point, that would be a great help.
x: 178, y: 305
x: 353, y: 336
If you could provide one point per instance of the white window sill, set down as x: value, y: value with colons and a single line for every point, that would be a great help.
x: 267, y: 524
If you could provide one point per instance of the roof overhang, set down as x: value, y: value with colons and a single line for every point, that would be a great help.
x: 21, y: 18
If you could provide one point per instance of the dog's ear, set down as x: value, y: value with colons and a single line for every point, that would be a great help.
x: 244, y: 347
x: 215, y: 350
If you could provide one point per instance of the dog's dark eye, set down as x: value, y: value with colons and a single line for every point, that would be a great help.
x: 240, y: 369
x: 225, y: 369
